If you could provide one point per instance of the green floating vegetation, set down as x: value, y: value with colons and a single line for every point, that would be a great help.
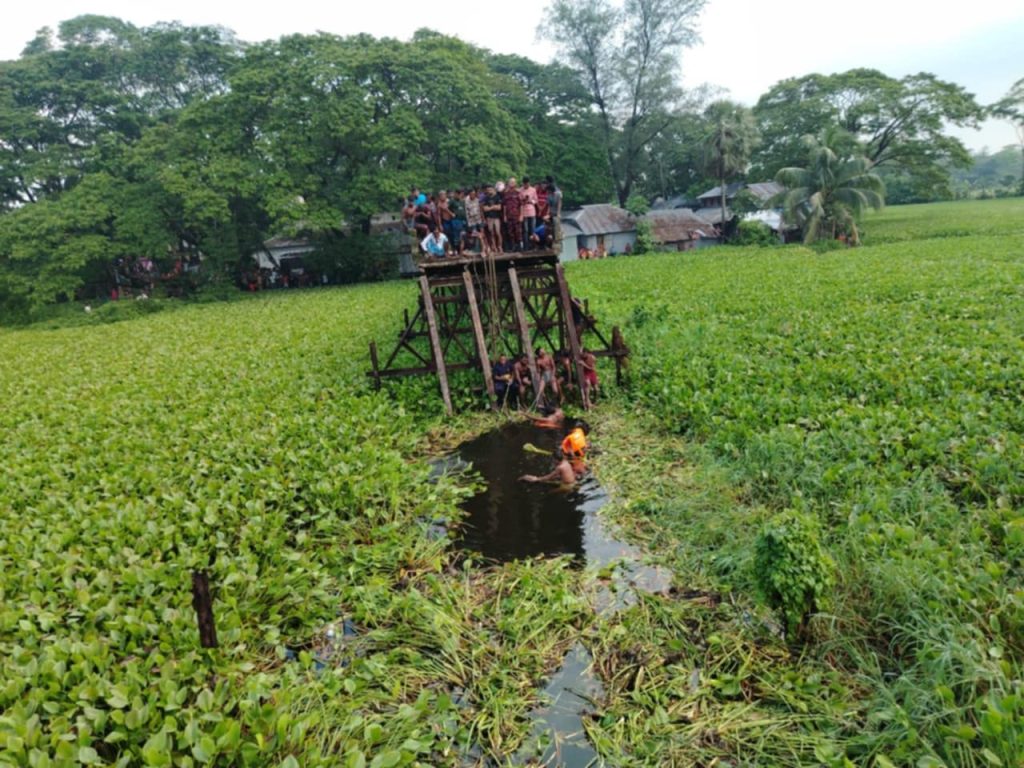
x: 876, y: 391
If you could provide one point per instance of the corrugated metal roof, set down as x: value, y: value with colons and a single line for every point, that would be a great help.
x: 661, y: 204
x: 601, y: 219
x: 287, y: 242
x: 765, y: 190
x: 716, y: 192
x: 679, y: 225
x: 762, y: 190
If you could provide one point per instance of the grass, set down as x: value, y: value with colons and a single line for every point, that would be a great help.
x: 903, y: 223
x: 877, y: 389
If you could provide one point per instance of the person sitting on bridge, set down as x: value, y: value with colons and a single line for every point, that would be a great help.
x: 541, y: 237
x: 435, y: 244
x: 522, y: 373
x: 506, y: 391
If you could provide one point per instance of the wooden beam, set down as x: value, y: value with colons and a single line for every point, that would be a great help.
x: 376, y: 365
x: 574, y: 339
x: 435, y: 343
x: 524, y: 331
x: 478, y: 331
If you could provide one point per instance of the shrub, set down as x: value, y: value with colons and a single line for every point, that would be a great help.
x: 755, y: 233
x: 645, y: 242
x: 792, y: 570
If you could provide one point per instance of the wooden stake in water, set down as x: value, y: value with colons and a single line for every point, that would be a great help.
x: 203, y: 604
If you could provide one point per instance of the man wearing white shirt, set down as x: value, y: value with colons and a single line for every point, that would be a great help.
x: 435, y: 244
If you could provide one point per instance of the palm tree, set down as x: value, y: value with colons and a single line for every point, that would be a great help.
x: 828, y: 197
x: 728, y: 144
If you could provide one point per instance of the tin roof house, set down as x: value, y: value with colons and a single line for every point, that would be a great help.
x: 600, y: 228
x: 681, y: 229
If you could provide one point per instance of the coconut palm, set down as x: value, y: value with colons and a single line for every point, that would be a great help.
x: 728, y: 144
x: 828, y: 197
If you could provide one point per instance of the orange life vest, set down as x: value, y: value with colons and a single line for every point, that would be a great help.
x: 575, y: 443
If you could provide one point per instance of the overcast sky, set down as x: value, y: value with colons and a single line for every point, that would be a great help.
x: 747, y: 45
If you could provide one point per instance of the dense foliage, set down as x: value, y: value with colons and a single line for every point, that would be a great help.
x: 877, y: 392
x: 239, y: 439
x: 153, y: 142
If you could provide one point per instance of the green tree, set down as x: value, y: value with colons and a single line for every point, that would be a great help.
x: 828, y: 197
x: 731, y: 138
x: 628, y: 61
x: 1011, y: 109
x: 899, y: 124
x: 553, y: 115
x: 72, y: 103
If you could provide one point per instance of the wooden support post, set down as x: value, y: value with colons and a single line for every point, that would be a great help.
x: 574, y: 339
x: 478, y: 331
x: 619, y: 350
x: 435, y: 343
x: 375, y: 364
x: 524, y: 330
x: 203, y: 605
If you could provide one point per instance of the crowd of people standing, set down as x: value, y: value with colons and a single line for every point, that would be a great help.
x: 486, y: 219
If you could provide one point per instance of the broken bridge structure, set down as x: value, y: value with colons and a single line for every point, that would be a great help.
x: 470, y: 310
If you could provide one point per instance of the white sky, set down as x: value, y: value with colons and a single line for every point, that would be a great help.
x: 748, y: 44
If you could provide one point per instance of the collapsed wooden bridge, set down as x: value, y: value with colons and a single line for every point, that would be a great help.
x: 471, y: 310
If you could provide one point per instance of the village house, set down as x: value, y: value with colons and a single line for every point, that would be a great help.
x: 599, y: 228
x: 681, y: 229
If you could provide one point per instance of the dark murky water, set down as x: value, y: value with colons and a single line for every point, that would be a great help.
x: 511, y: 519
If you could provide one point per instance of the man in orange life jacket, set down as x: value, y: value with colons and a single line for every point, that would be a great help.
x: 574, y: 445
x: 570, y: 467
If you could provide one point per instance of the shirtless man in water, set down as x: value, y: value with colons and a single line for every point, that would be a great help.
x: 563, y: 474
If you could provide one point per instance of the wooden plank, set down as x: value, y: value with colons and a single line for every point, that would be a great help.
x: 435, y: 343
x: 478, y: 331
x: 574, y: 339
x: 524, y: 331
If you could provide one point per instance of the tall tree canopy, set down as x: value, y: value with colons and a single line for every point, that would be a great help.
x: 899, y: 124
x: 628, y: 59
x: 125, y: 141
x: 1011, y: 109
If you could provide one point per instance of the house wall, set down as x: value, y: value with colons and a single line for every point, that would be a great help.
x: 615, y: 243
x: 569, y: 250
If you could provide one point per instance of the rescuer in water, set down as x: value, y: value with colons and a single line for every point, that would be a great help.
x: 571, y: 466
